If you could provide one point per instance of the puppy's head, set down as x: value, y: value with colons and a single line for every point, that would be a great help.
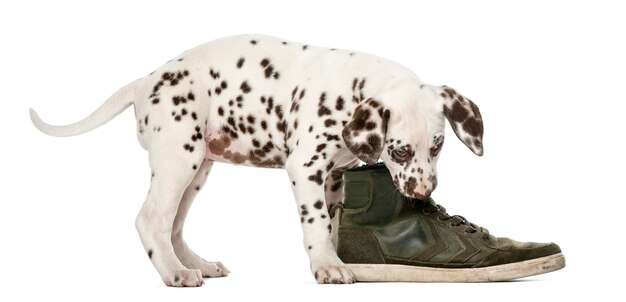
x: 404, y: 126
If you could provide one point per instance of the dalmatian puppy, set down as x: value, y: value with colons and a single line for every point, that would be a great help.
x: 266, y: 102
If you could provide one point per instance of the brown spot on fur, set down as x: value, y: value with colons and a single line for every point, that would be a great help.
x: 457, y: 113
x: 361, y: 116
x: 217, y: 146
x: 433, y: 180
x: 410, y: 185
x: 238, y: 158
x: 473, y: 127
x: 449, y: 92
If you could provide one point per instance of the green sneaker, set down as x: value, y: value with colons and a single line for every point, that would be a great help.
x: 385, y: 236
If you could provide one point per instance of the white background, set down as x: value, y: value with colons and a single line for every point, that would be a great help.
x: 548, y: 78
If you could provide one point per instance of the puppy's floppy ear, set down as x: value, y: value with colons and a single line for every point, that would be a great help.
x: 464, y: 117
x: 365, y: 134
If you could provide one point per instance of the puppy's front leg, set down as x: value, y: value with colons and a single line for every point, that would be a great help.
x: 308, y: 188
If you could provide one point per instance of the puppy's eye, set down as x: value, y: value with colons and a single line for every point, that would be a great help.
x: 434, y: 151
x: 400, y: 155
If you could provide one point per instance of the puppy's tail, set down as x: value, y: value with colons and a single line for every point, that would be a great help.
x: 117, y: 103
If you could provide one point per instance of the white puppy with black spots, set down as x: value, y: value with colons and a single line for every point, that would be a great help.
x: 265, y: 102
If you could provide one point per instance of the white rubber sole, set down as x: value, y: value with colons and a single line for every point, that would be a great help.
x: 406, y: 273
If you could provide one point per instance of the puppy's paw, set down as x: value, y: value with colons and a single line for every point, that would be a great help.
x: 333, y: 273
x: 213, y: 270
x: 185, y: 278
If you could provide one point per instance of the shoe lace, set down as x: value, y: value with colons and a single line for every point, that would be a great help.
x: 455, y: 220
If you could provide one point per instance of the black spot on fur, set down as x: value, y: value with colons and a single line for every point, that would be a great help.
x: 304, y: 210
x: 330, y: 165
x: 320, y: 147
x: 317, y: 177
x: 331, y: 137
x: 279, y: 112
x: 323, y: 110
x: 253, y: 42
x: 250, y: 119
x: 155, y: 101
x: 150, y: 254
x: 329, y: 122
x: 339, y: 104
x: 177, y: 100
x: 240, y: 62
x: 245, y: 87
x: 293, y: 93
x: 189, y: 147
x: 268, y: 71
x: 336, y: 186
x: 318, y: 204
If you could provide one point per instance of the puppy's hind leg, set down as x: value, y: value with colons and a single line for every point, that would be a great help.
x: 182, y: 250
x: 172, y: 162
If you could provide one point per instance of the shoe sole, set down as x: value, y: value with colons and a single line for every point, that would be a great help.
x: 504, y: 272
